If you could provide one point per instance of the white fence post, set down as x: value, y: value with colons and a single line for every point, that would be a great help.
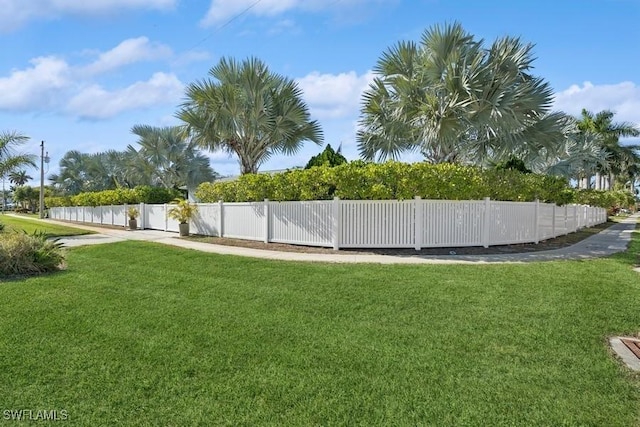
x: 337, y: 223
x: 486, y: 226
x: 575, y: 218
x: 166, y: 217
x: 126, y: 214
x: 141, y: 212
x: 537, y: 222
x: 553, y: 222
x: 220, y: 218
x: 266, y: 220
x: 418, y: 213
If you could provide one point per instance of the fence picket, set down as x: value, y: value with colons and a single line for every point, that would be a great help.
x: 413, y: 223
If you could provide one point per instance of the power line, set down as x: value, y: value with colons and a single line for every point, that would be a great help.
x: 233, y: 18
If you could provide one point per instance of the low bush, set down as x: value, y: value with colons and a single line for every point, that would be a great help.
x: 613, y: 201
x: 391, y: 180
x: 25, y: 254
x: 119, y: 196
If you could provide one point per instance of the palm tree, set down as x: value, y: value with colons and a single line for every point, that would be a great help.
x: 73, y: 177
x: 455, y: 101
x: 19, y: 178
x: 621, y: 159
x: 248, y: 111
x: 9, y: 158
x: 169, y: 158
x: 27, y: 196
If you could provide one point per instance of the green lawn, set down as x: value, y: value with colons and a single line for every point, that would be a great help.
x: 31, y: 225
x: 137, y: 333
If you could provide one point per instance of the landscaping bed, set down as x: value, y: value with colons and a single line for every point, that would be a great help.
x: 557, y: 243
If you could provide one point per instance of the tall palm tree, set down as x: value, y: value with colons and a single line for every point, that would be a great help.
x: 621, y: 159
x: 453, y: 100
x: 19, y: 178
x: 248, y: 111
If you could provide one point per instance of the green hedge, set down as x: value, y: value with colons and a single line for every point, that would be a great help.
x: 611, y: 200
x: 391, y: 180
x: 119, y: 196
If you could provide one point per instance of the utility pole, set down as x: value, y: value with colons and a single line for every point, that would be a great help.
x: 42, y: 180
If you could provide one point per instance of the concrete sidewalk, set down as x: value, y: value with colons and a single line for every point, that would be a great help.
x: 612, y: 240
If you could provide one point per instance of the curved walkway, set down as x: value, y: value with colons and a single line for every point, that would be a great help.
x: 612, y: 240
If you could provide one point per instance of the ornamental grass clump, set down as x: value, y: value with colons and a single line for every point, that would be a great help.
x: 27, y: 254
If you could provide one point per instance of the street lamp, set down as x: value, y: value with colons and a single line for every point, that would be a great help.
x: 43, y: 159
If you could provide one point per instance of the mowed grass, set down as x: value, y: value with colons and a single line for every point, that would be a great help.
x: 32, y: 225
x: 136, y: 333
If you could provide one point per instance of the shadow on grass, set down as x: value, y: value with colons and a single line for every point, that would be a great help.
x: 15, y: 278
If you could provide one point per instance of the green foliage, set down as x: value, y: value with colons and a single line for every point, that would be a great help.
x: 119, y: 196
x: 55, y: 201
x: 27, y: 196
x: 22, y: 253
x: 611, y: 200
x: 165, y: 158
x: 390, y: 180
x: 250, y: 111
x: 132, y: 213
x: 454, y: 98
x: 182, y: 211
x: 147, y: 194
x: 328, y: 157
x: 227, y: 340
x: 513, y: 163
x: 28, y: 225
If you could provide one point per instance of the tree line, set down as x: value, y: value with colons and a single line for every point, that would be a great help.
x: 449, y: 96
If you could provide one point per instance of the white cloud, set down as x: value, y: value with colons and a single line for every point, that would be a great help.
x: 35, y: 87
x: 332, y: 96
x: 222, y: 10
x: 621, y: 98
x: 127, y: 52
x: 51, y: 84
x: 15, y: 13
x: 191, y: 56
x: 95, y: 102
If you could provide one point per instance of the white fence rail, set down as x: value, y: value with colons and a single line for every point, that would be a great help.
x: 363, y: 223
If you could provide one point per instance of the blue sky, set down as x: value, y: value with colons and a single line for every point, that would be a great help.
x: 79, y: 74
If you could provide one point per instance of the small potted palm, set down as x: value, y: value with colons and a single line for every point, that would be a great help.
x: 133, y: 218
x: 182, y: 212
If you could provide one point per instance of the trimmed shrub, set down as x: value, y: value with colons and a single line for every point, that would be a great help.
x: 391, y: 180
x: 613, y: 201
x: 119, y: 196
x: 22, y: 253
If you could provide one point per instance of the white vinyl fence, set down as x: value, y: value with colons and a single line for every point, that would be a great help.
x: 363, y: 223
